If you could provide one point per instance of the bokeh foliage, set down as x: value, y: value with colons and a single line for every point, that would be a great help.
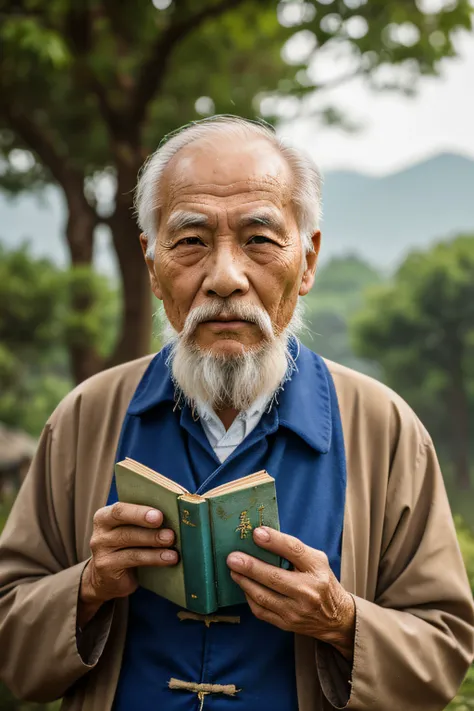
x: 89, y: 87
x: 419, y: 328
x: 37, y: 328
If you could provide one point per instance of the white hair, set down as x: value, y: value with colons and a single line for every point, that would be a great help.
x: 231, y: 381
x: 307, y: 179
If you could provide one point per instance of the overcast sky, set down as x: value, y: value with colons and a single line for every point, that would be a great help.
x: 398, y: 130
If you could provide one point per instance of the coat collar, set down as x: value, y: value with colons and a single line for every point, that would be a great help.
x: 303, y: 404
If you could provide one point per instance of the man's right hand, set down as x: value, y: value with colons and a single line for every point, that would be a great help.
x: 125, y: 536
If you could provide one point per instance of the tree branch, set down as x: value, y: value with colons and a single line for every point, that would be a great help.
x: 39, y: 141
x: 79, y: 31
x: 154, y: 69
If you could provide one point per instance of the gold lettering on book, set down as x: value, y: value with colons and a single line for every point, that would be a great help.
x: 222, y: 514
x: 260, y: 514
x: 244, y: 527
x: 186, y: 520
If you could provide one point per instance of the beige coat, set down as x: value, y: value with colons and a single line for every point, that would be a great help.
x: 400, y: 560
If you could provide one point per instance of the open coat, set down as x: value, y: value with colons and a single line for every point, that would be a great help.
x: 400, y: 560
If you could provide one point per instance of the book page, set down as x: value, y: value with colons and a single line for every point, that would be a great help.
x: 239, y: 484
x: 148, y: 473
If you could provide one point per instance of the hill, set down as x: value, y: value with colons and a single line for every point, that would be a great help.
x: 377, y: 218
x: 383, y: 218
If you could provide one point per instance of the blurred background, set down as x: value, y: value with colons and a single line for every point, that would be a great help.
x: 381, y: 94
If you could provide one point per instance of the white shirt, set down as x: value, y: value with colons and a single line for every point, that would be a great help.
x: 223, y: 441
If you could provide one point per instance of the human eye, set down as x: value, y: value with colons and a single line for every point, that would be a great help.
x: 260, y: 239
x: 189, y: 241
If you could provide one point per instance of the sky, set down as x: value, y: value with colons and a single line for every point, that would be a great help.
x: 397, y: 130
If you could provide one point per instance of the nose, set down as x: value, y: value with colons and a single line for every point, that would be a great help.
x: 225, y: 273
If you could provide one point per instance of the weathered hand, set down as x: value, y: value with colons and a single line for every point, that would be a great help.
x: 308, y: 600
x: 125, y: 536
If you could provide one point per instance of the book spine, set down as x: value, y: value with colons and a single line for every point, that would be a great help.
x: 197, y: 555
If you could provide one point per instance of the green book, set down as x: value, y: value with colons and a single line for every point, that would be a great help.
x: 207, y: 528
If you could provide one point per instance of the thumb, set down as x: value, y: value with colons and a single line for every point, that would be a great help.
x: 301, y: 556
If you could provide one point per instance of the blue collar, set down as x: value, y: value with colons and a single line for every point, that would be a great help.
x: 304, y: 403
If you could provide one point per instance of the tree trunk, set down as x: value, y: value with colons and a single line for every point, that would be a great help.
x: 135, y: 333
x: 460, y: 429
x: 84, y: 359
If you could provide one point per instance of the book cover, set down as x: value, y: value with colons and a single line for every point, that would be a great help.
x: 234, y: 515
x: 207, y: 528
x: 136, y: 489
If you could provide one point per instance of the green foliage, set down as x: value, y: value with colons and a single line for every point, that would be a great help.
x: 335, y: 297
x: 37, y: 323
x: 420, y: 329
x: 466, y: 542
x: 464, y: 700
x: 97, y: 324
x: 30, y: 330
x: 429, y: 307
x: 82, y: 73
x: 91, y: 88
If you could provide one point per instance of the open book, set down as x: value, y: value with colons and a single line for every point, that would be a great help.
x: 207, y: 528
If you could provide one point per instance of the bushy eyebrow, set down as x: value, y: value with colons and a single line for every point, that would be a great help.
x: 181, y: 219
x: 263, y: 219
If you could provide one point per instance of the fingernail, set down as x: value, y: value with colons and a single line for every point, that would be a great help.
x: 168, y: 556
x: 165, y: 536
x: 235, y: 560
x: 262, y: 534
x: 152, y: 516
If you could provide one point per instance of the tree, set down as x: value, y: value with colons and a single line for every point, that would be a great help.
x: 37, y: 326
x: 337, y: 294
x: 420, y: 329
x: 89, y: 87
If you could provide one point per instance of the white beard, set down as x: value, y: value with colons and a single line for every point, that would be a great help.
x: 234, y: 381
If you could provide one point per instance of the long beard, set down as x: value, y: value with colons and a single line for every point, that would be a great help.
x: 230, y: 381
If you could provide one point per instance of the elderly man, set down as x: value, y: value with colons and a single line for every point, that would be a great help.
x: 375, y: 612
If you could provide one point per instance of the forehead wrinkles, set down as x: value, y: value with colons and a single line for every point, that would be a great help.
x: 225, y: 205
x: 265, y: 183
x: 227, y: 197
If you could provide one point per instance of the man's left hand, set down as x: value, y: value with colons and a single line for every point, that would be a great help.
x: 308, y: 600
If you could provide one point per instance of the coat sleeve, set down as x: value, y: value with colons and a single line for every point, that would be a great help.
x: 414, y: 643
x: 39, y: 585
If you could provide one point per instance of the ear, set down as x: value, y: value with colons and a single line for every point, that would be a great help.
x: 307, y: 279
x: 150, y: 263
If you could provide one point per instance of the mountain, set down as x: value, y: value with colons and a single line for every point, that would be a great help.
x: 383, y: 218
x: 40, y: 220
x: 378, y: 218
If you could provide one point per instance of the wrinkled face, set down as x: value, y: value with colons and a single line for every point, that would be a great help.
x: 228, y: 231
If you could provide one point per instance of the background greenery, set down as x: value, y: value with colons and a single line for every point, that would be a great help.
x: 87, y: 90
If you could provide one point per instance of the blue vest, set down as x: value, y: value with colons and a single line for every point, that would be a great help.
x: 300, y: 443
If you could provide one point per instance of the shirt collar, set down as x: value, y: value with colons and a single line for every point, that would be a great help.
x: 256, y: 409
x: 304, y: 403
